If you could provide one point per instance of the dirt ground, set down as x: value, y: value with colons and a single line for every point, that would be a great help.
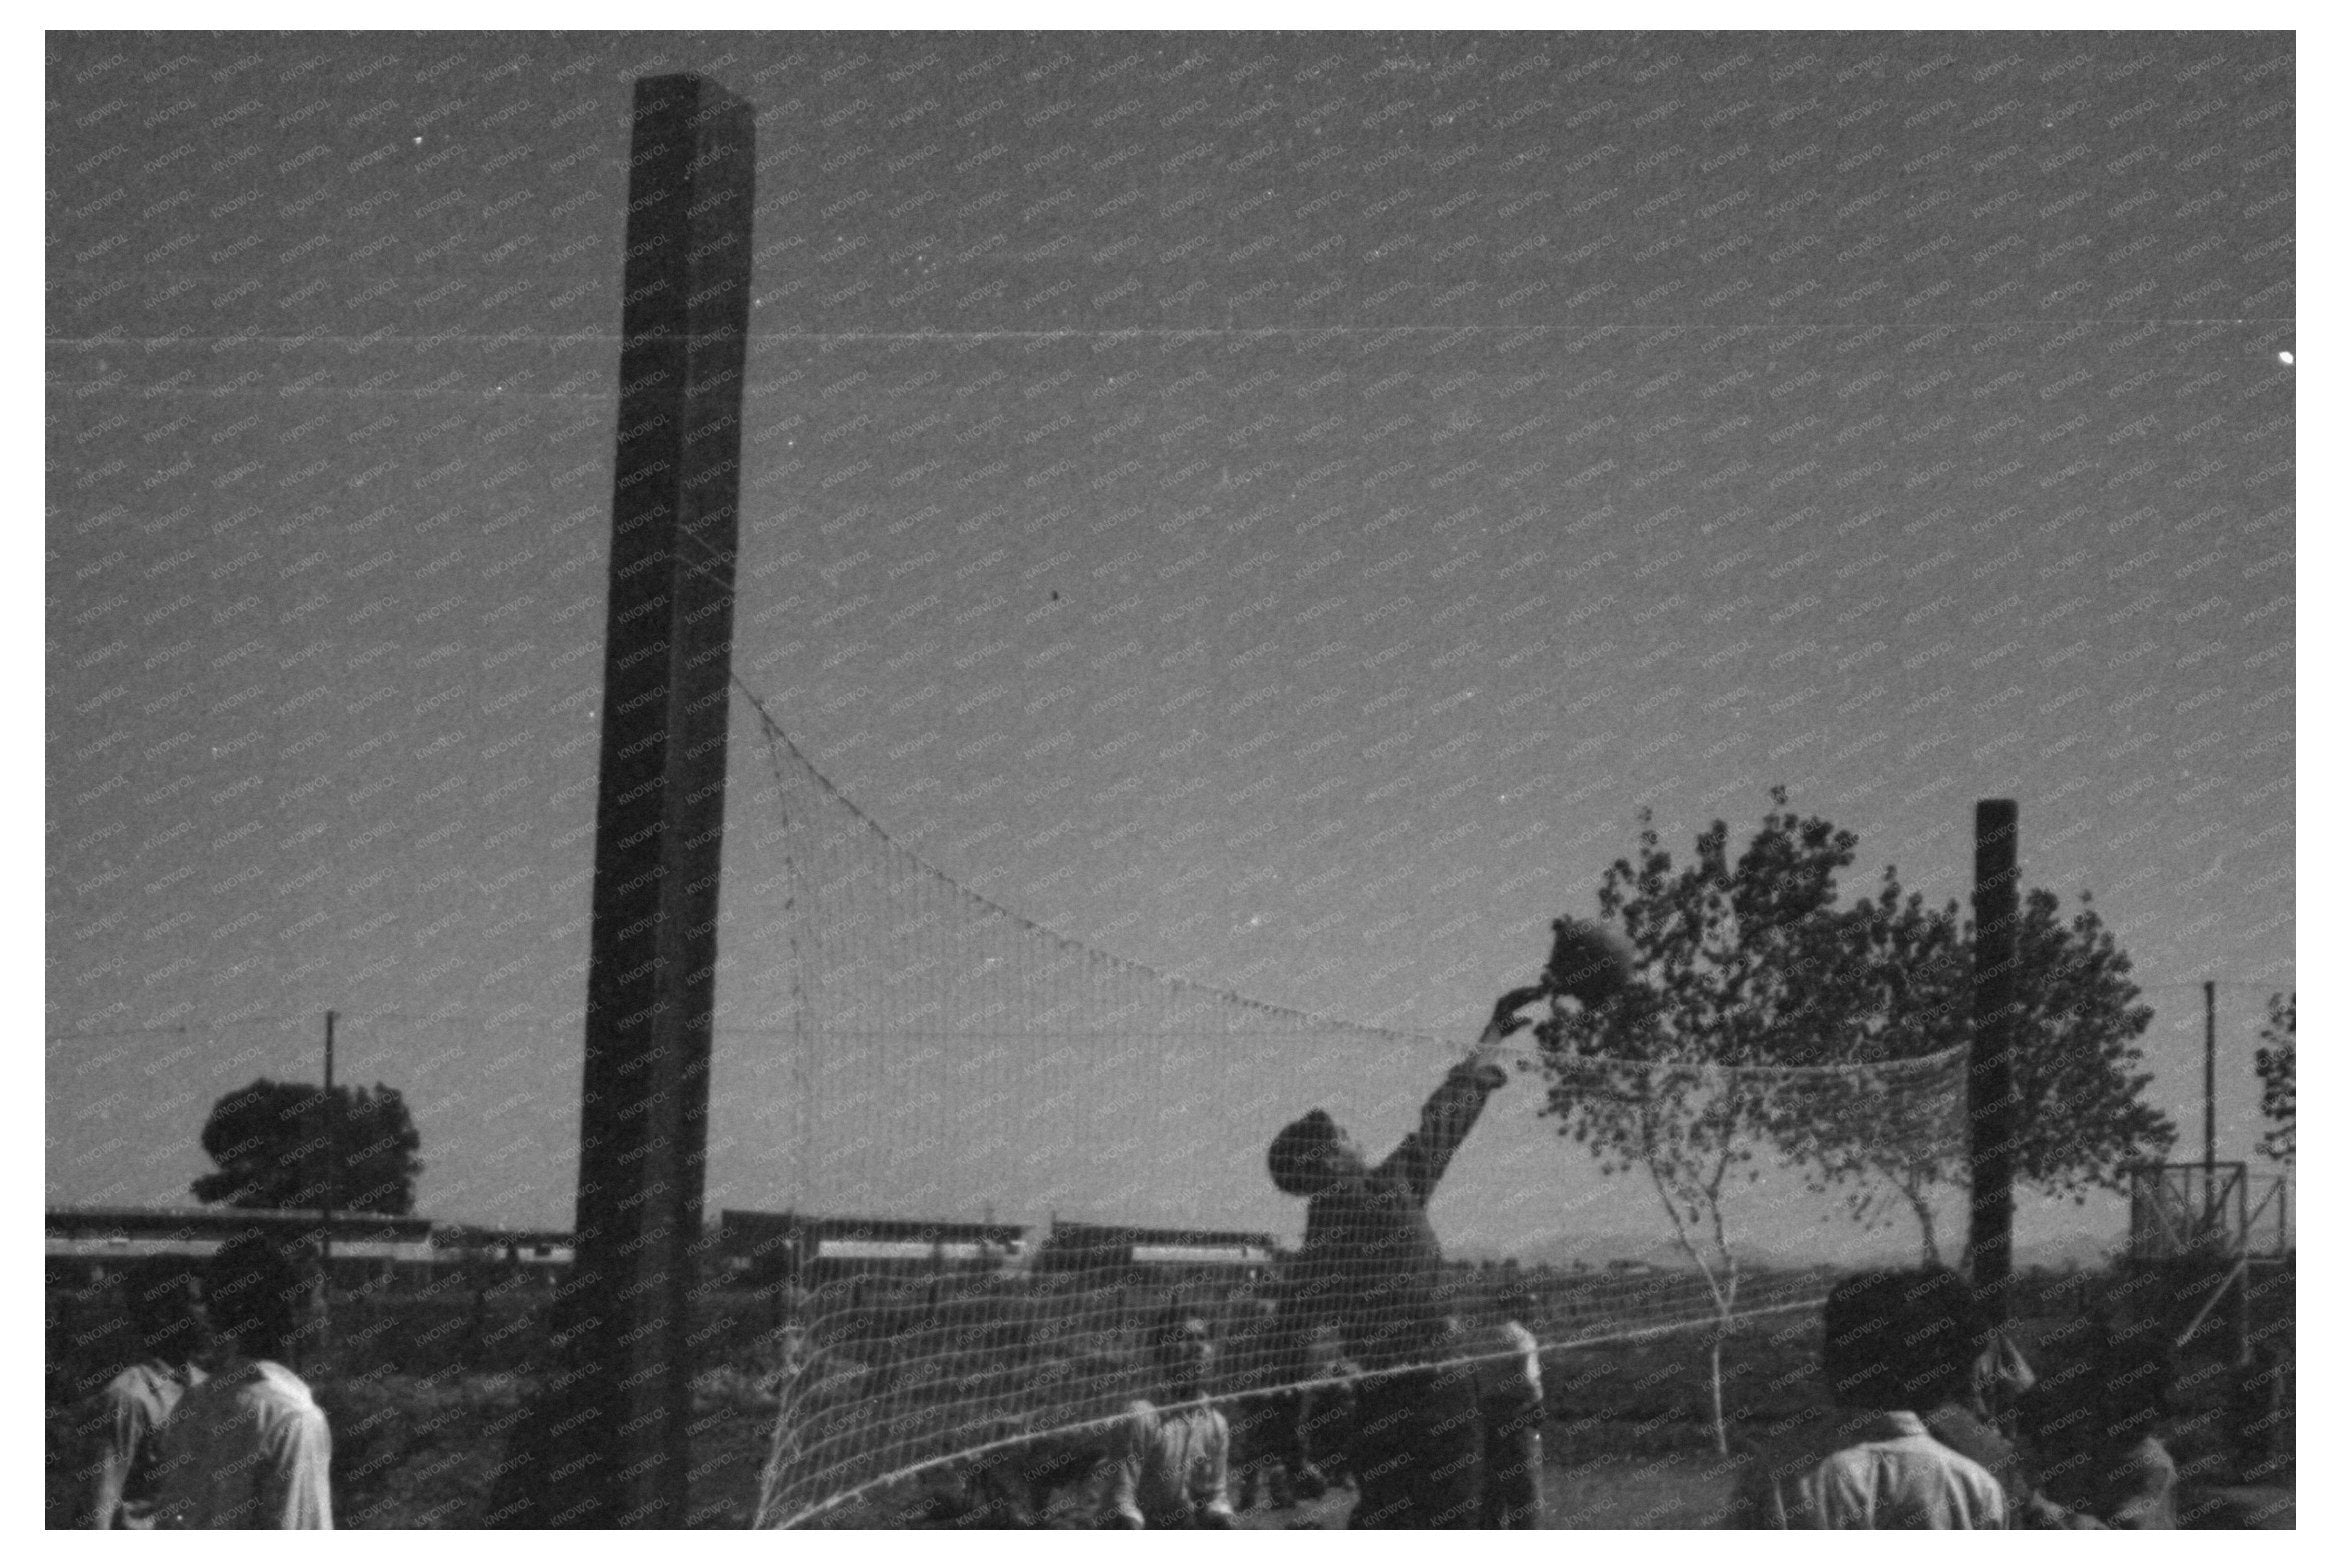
x: 441, y: 1479
x: 1688, y: 1493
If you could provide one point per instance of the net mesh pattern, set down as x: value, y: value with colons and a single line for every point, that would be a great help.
x: 928, y: 1055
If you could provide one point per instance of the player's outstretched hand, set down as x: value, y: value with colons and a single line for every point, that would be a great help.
x: 1506, y: 1019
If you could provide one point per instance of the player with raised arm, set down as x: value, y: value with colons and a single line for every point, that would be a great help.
x: 1369, y: 1266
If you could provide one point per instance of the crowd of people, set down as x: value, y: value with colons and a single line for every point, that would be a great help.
x: 1916, y: 1433
x: 1439, y: 1425
x: 1920, y: 1390
x: 209, y: 1428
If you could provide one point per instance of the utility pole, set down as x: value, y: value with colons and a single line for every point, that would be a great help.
x: 2210, y: 1086
x: 332, y: 1195
x: 332, y: 1150
x: 2214, y: 1205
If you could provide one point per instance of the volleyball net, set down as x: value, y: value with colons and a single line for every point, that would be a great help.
x: 1002, y: 1155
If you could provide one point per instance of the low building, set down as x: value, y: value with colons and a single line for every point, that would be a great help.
x: 1123, y: 1251
x: 772, y: 1249
x: 87, y: 1245
x: 546, y: 1252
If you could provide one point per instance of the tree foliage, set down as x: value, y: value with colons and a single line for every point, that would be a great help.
x: 2078, y: 1073
x: 1906, y: 975
x: 2273, y: 1062
x: 274, y: 1141
x: 1768, y: 1024
x: 1888, y: 982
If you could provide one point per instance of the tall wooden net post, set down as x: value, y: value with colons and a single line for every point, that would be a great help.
x: 607, y: 1446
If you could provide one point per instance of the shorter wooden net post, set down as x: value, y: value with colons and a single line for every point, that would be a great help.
x: 1991, y: 1102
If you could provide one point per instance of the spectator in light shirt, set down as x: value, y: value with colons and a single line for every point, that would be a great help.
x: 1168, y: 1468
x: 248, y: 1447
x: 1894, y: 1343
x: 125, y: 1420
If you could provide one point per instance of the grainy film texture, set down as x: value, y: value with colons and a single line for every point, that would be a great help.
x: 1323, y: 866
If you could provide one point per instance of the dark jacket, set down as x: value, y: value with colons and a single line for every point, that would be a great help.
x: 1369, y: 1262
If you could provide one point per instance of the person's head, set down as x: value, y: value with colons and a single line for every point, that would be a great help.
x: 255, y: 1288
x: 167, y: 1315
x: 1899, y: 1338
x: 1181, y: 1346
x: 1313, y: 1155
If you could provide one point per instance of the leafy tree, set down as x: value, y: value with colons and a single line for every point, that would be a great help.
x: 1895, y: 972
x: 2075, y: 1068
x: 1750, y: 965
x: 273, y: 1142
x: 2273, y: 1062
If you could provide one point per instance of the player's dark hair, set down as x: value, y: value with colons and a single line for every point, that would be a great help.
x: 1296, y: 1160
x: 166, y: 1313
x: 1169, y: 1325
x: 254, y: 1288
x: 1900, y: 1338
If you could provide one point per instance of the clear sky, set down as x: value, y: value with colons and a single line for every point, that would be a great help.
x: 1270, y: 509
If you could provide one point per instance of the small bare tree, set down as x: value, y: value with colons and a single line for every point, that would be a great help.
x: 1667, y: 1078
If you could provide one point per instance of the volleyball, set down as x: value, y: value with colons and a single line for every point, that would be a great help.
x: 1589, y: 962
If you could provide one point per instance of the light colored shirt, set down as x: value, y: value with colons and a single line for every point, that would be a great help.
x: 124, y: 1421
x: 248, y: 1448
x: 1169, y: 1466
x: 1869, y: 1470
x: 1509, y: 1367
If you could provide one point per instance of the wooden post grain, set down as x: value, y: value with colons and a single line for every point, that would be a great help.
x: 1991, y: 1102
x: 607, y: 1446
